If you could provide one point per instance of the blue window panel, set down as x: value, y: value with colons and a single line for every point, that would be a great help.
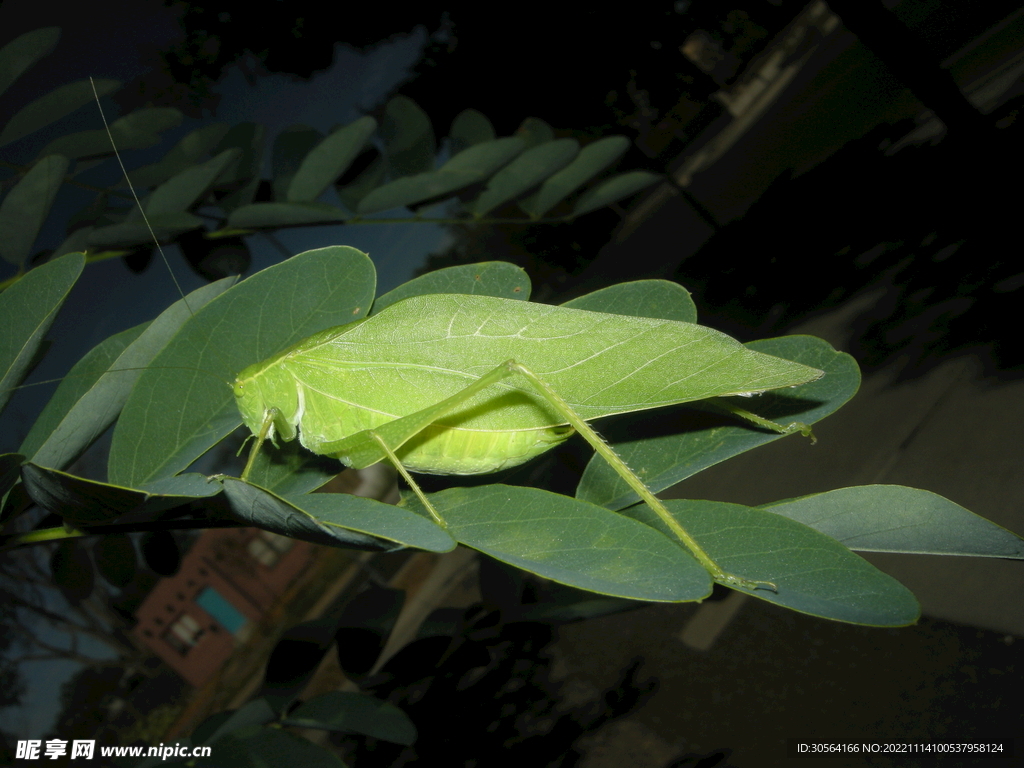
x: 215, y: 604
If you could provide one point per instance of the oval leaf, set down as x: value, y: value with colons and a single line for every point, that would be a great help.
x: 27, y: 310
x: 26, y: 207
x: 352, y: 712
x: 23, y: 51
x: 52, y: 107
x: 892, y: 518
x: 571, y: 542
x: 525, y: 172
x: 91, y: 396
x: 591, y: 160
x: 614, y: 189
x: 660, y: 299
x: 329, y: 160
x: 335, y: 519
x: 408, y: 137
x: 184, y: 189
x: 468, y: 128
x: 88, y: 502
x: 115, y: 559
x: 814, y: 573
x: 691, y: 442
x: 183, y: 404
x: 489, y: 278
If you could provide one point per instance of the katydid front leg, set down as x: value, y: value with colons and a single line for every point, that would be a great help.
x: 370, y: 446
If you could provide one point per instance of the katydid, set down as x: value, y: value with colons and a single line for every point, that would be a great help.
x: 458, y: 384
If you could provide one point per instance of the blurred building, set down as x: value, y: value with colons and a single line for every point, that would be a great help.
x: 228, y: 580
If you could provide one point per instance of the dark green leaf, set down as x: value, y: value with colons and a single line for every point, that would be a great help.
x: 614, y: 189
x: 137, y: 130
x: 52, y: 107
x: 471, y: 166
x: 891, y: 518
x: 535, y: 132
x: 693, y: 443
x: 525, y: 172
x: 661, y: 299
x: 329, y: 160
x: 355, y: 713
x: 10, y: 471
x: 184, y: 189
x: 23, y: 51
x: 335, y: 519
x: 183, y: 404
x: 92, y: 394
x: 591, y: 160
x: 814, y: 573
x: 256, y: 712
x: 468, y: 128
x: 572, y: 542
x: 72, y: 570
x: 26, y: 207
x: 186, y: 153
x: 408, y: 137
x: 291, y: 145
x: 89, y: 502
x: 115, y: 559
x: 27, y: 309
x: 488, y: 278
x: 134, y: 232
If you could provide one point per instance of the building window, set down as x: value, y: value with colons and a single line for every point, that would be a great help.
x: 267, y: 547
x: 183, y: 634
x: 221, y: 609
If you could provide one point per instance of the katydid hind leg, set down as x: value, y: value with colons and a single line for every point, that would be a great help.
x: 381, y: 442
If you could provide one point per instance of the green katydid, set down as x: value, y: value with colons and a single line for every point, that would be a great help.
x: 458, y: 384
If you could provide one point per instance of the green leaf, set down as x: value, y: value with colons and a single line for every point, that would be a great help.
x: 183, y: 404
x: 326, y: 163
x: 291, y: 145
x: 115, y: 559
x: 488, y: 278
x: 10, y: 470
x: 591, y: 160
x: 660, y: 299
x: 23, y: 51
x: 52, y: 107
x: 470, y: 127
x: 89, y: 502
x: 137, y: 130
x: 259, y: 747
x: 471, y: 166
x: 352, y: 712
x: 27, y: 310
x: 289, y: 469
x: 693, y: 442
x: 249, y: 138
x: 525, y: 172
x: 186, y: 153
x: 165, y: 226
x: 368, y: 180
x: 892, y: 518
x: 814, y: 573
x: 335, y: 519
x: 275, y: 215
x: 255, y: 712
x: 408, y: 137
x: 91, y: 396
x: 572, y: 542
x: 26, y: 207
x: 614, y: 189
x: 184, y: 189
x: 72, y: 570
x: 535, y: 132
